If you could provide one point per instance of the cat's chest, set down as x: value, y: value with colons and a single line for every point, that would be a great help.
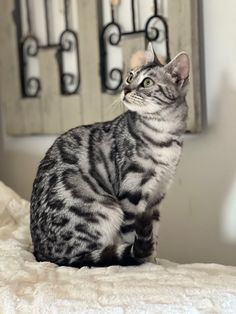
x: 153, y: 170
x: 164, y: 161
x: 168, y: 156
x: 162, y: 173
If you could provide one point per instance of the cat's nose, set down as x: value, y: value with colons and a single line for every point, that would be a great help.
x: 126, y: 90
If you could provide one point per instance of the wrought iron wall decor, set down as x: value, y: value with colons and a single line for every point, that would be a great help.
x: 30, y: 46
x: 31, y: 84
x: 112, y: 34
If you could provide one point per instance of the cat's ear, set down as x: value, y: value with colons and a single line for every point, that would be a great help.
x: 150, y: 56
x: 179, y: 68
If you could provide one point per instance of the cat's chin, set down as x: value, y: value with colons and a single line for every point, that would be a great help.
x: 141, y: 110
x: 134, y: 108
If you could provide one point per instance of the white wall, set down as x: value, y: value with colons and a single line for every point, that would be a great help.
x: 199, y: 214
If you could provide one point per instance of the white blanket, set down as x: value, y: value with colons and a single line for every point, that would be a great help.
x: 27, y: 286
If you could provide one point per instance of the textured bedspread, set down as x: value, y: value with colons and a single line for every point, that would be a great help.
x: 27, y: 286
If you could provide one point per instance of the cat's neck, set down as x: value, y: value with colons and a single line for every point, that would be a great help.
x: 154, y: 123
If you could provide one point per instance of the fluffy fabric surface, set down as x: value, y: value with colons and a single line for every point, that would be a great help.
x: 27, y: 286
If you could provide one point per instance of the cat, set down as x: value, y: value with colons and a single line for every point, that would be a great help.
x: 97, y: 192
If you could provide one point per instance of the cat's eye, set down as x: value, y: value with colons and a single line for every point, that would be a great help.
x: 130, y: 78
x: 147, y: 82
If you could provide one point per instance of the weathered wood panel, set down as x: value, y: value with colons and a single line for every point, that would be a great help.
x: 50, y: 96
x: 183, y: 33
x: 53, y: 113
x: 71, y: 112
x: 89, y: 61
x: 16, y: 112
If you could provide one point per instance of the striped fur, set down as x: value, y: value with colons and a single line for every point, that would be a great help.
x: 96, y: 196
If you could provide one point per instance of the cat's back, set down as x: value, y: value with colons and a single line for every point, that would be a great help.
x: 67, y: 164
x: 63, y: 154
x: 68, y: 146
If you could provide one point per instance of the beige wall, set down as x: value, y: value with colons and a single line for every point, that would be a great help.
x: 199, y: 214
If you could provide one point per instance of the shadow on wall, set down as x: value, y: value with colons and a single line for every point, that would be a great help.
x: 17, y: 170
x: 19, y: 159
x: 199, y: 214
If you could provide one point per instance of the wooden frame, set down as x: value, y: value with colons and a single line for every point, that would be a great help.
x: 53, y: 113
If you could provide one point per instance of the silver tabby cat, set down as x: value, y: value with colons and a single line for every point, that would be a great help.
x: 96, y: 196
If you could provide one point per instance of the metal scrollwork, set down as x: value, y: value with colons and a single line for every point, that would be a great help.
x: 31, y: 85
x: 156, y: 30
x: 115, y: 37
x: 67, y: 40
x: 111, y: 35
x: 68, y: 54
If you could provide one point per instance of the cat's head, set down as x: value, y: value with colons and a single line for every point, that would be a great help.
x: 152, y: 87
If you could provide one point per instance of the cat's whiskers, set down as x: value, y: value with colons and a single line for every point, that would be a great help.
x: 137, y: 100
x: 116, y: 104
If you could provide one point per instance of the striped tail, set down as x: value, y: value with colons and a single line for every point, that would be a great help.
x: 121, y: 254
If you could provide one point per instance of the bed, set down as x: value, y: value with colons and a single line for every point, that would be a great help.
x: 27, y: 286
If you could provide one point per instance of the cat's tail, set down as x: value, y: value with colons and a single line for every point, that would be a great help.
x: 122, y: 254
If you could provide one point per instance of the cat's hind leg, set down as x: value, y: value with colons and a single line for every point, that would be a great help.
x: 124, y: 254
